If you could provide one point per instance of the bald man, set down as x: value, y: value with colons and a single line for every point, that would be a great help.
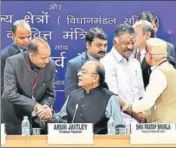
x: 159, y: 101
x: 144, y: 31
x: 21, y: 34
x: 28, y: 87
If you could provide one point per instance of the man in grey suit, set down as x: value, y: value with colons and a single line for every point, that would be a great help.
x: 96, y: 44
x: 21, y: 33
x: 28, y: 86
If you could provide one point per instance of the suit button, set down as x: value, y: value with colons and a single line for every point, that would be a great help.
x: 83, y: 105
x: 80, y: 115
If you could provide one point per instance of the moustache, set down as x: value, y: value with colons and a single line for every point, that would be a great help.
x: 128, y: 50
x: 102, y: 52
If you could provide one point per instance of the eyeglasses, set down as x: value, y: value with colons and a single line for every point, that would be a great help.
x: 84, y: 72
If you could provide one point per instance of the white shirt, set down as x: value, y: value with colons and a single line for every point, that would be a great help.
x: 123, y: 77
x: 143, y: 53
x: 157, y: 84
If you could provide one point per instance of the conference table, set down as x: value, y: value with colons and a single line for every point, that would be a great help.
x: 99, y: 141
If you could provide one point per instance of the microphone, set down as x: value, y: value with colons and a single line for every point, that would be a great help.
x: 76, y: 108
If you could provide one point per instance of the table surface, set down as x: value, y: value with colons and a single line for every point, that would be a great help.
x: 99, y: 141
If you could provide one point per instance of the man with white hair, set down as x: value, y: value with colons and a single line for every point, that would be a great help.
x: 159, y: 101
x: 144, y: 31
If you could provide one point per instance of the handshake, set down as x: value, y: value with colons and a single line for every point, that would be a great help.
x: 140, y: 117
x: 44, y: 112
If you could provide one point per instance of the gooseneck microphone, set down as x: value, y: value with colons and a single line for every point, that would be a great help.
x: 76, y: 108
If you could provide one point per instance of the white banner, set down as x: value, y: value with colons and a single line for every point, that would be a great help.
x: 70, y: 133
x: 153, y: 133
x: 3, y: 134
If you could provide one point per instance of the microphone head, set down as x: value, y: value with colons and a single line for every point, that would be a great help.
x: 76, y: 106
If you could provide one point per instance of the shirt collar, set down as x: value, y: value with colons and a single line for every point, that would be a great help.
x: 119, y: 57
x: 20, y: 49
x: 143, y: 51
x: 91, y: 57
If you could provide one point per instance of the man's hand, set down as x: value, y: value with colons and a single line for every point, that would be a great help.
x: 140, y: 117
x: 127, y: 108
x: 43, y: 112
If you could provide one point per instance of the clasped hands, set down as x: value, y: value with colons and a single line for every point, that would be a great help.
x: 140, y: 117
x: 44, y: 112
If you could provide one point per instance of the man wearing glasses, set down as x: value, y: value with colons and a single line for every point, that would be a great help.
x: 96, y: 47
x: 159, y: 100
x: 92, y: 102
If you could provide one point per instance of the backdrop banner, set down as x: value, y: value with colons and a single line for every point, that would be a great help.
x: 64, y: 25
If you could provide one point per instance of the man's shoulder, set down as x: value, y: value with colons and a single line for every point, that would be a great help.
x: 108, y: 57
x: 109, y: 92
x: 76, y: 92
x: 78, y: 59
x: 51, y: 62
x: 17, y: 57
x: 8, y: 49
x: 170, y: 45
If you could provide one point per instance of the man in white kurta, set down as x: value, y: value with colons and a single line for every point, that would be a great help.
x: 122, y: 71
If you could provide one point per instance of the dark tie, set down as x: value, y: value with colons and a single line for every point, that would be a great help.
x: 138, y: 56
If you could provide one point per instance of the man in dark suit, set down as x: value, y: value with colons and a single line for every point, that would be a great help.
x: 153, y: 19
x: 96, y: 44
x: 28, y: 86
x: 144, y: 31
x: 21, y: 33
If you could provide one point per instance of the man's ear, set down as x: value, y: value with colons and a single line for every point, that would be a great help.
x: 13, y: 36
x: 116, y: 40
x: 88, y: 45
x: 31, y: 55
x: 96, y: 78
x: 148, y: 35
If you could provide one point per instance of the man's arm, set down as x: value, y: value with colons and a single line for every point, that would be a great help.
x: 3, y: 61
x: 71, y: 79
x: 62, y: 115
x: 11, y: 89
x: 171, y: 54
x: 140, y: 81
x: 110, y: 76
x: 156, y: 86
x: 50, y: 93
x: 113, y: 110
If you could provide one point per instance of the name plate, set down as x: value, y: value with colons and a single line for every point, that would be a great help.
x: 70, y: 133
x: 3, y: 135
x: 153, y: 133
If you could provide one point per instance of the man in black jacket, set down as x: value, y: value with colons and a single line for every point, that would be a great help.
x: 21, y: 33
x: 153, y: 19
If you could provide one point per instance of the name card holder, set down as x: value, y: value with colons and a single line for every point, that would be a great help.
x: 153, y: 133
x: 70, y: 133
x: 3, y: 134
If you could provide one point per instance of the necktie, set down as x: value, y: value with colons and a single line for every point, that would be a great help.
x: 138, y: 56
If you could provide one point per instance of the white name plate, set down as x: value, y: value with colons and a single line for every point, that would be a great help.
x: 3, y: 135
x: 70, y: 133
x: 153, y: 133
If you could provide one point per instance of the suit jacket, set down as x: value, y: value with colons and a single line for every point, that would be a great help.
x: 146, y: 71
x: 71, y: 78
x: 17, y: 95
x: 9, y: 51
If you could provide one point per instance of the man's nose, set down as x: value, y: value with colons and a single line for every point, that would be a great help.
x: 130, y: 46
